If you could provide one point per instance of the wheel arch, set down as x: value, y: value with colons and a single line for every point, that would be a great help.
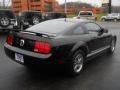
x: 79, y: 46
x: 115, y: 37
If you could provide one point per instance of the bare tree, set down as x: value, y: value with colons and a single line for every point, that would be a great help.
x: 77, y: 6
x: 116, y: 9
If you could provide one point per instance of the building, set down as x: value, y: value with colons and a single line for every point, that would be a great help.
x: 36, y: 5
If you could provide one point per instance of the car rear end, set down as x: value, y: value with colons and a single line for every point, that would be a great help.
x: 7, y: 20
x: 86, y: 15
x: 24, y: 18
x: 42, y: 43
x: 27, y: 18
x: 27, y: 47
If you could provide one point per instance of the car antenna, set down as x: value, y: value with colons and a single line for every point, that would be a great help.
x: 65, y: 10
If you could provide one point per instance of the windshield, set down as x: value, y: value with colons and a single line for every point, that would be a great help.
x: 51, y: 27
x: 8, y: 13
x: 22, y: 14
x: 113, y: 14
x: 85, y: 14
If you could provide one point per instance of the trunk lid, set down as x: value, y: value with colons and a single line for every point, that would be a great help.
x: 26, y: 40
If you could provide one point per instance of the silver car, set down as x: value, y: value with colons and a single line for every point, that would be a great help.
x: 111, y: 17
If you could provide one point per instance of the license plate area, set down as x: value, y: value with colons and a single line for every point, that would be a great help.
x: 19, y: 58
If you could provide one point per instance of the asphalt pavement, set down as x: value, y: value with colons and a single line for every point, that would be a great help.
x: 101, y: 73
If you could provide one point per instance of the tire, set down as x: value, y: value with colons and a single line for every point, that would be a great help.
x: 103, y: 19
x: 4, y: 21
x: 76, y: 63
x: 115, y: 20
x: 96, y: 18
x: 21, y: 27
x: 112, y: 46
x: 35, y: 20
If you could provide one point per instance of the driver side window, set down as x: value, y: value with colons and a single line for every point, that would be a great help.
x: 92, y: 27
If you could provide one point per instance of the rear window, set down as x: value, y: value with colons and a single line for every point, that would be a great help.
x: 51, y: 27
x: 86, y: 14
x: 60, y: 15
x: 24, y: 14
x: 114, y: 14
x: 30, y: 14
x: 55, y: 15
x: 48, y: 14
x: 7, y: 13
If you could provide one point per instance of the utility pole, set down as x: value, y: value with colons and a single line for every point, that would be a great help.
x: 110, y: 6
x: 65, y: 8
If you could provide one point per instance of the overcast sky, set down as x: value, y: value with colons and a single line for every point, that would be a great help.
x: 93, y: 2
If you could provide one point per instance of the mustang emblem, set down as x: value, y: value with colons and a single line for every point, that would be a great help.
x: 22, y: 42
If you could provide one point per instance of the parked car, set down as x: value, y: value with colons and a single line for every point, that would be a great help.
x: 7, y: 19
x: 70, y: 43
x: 53, y: 15
x: 89, y: 15
x: 27, y: 18
x: 111, y: 17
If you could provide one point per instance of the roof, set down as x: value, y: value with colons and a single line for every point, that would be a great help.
x: 56, y: 26
x: 54, y: 12
x: 31, y: 11
x: 72, y: 20
x: 6, y: 9
x: 86, y: 11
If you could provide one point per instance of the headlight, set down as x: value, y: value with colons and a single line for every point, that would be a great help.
x: 26, y: 23
x: 16, y: 23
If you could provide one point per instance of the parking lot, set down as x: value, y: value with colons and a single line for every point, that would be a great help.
x: 102, y: 73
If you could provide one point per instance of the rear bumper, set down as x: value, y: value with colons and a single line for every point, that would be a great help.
x: 88, y: 18
x: 29, y: 57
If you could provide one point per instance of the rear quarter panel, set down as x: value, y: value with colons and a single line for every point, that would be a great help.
x: 67, y: 45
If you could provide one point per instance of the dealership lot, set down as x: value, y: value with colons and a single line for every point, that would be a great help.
x: 101, y: 74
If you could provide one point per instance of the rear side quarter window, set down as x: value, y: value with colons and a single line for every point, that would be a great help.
x: 7, y: 13
x: 78, y: 31
x: 92, y: 27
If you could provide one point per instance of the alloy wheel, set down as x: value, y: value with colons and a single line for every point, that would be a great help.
x: 35, y: 20
x: 78, y: 63
x: 113, y: 45
x: 4, y: 21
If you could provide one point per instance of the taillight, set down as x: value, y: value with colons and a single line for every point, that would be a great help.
x: 9, y: 39
x: 42, y: 47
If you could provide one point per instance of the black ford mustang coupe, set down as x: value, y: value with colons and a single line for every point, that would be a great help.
x: 70, y: 42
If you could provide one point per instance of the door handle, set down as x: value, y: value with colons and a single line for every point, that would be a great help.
x: 96, y: 37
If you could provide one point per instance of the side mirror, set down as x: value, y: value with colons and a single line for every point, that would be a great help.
x: 104, y: 30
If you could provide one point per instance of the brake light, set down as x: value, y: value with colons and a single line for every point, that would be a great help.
x: 9, y: 40
x: 42, y: 47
